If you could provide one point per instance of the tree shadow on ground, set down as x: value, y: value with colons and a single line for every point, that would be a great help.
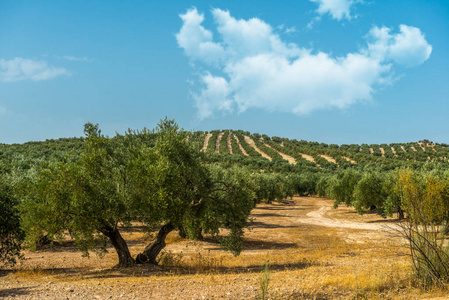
x: 15, y: 292
x: 147, y: 270
x: 251, y: 244
x: 264, y: 245
x: 256, y: 224
x: 279, y: 208
x: 387, y: 221
x: 268, y: 215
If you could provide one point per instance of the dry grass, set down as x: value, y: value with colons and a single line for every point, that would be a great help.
x: 306, y: 261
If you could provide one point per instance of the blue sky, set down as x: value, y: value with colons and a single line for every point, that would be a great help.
x: 335, y: 71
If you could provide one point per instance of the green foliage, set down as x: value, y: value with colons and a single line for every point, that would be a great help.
x: 341, y: 186
x: 425, y: 198
x: 369, y: 193
x: 11, y: 234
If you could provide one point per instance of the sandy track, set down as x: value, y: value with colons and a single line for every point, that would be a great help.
x: 422, y: 147
x: 308, y: 157
x: 371, y: 150
x: 252, y: 144
x: 323, y: 216
x: 240, y: 146
x: 288, y: 158
x: 350, y: 160
x: 206, y: 141
x: 329, y: 158
x: 413, y: 148
x: 394, y: 151
x: 229, y: 144
x: 382, y: 151
x: 217, y: 143
x: 403, y: 149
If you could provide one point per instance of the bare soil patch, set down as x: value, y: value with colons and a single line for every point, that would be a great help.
x: 422, y: 147
x: 217, y: 143
x: 308, y: 157
x: 329, y: 158
x: 229, y: 144
x: 350, y: 160
x: 240, y: 146
x: 288, y: 158
x: 206, y: 141
x: 394, y: 151
x: 252, y: 144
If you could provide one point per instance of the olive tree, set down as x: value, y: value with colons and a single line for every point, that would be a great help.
x: 119, y: 180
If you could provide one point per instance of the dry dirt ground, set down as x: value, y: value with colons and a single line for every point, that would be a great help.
x: 252, y: 144
x: 313, y: 252
x: 206, y: 141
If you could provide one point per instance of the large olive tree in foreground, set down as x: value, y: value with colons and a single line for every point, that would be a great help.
x: 120, y: 180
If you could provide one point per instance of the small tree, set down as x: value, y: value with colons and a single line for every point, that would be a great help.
x: 425, y: 198
x: 369, y: 193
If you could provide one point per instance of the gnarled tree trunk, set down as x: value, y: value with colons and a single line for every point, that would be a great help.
x: 121, y: 247
x: 400, y: 213
x: 153, y: 249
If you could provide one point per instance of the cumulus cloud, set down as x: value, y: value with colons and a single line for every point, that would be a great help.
x: 408, y: 48
x: 337, y: 9
x: 251, y: 67
x: 26, y: 69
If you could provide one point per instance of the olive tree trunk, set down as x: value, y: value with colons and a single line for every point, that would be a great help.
x: 153, y: 249
x: 400, y: 213
x: 121, y: 247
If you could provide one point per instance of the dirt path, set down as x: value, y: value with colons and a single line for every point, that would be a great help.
x: 422, y: 147
x: 382, y: 151
x: 325, y: 215
x: 413, y: 148
x: 394, y: 151
x: 240, y: 146
x: 252, y: 144
x: 217, y: 143
x: 371, y: 151
x: 229, y: 144
x: 403, y: 149
x: 329, y: 158
x: 206, y: 141
x: 350, y: 160
x: 308, y: 157
x: 288, y: 158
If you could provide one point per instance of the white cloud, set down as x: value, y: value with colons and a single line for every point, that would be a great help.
x: 256, y: 69
x: 213, y: 97
x: 408, y: 48
x: 337, y: 9
x: 196, y: 40
x: 26, y: 69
